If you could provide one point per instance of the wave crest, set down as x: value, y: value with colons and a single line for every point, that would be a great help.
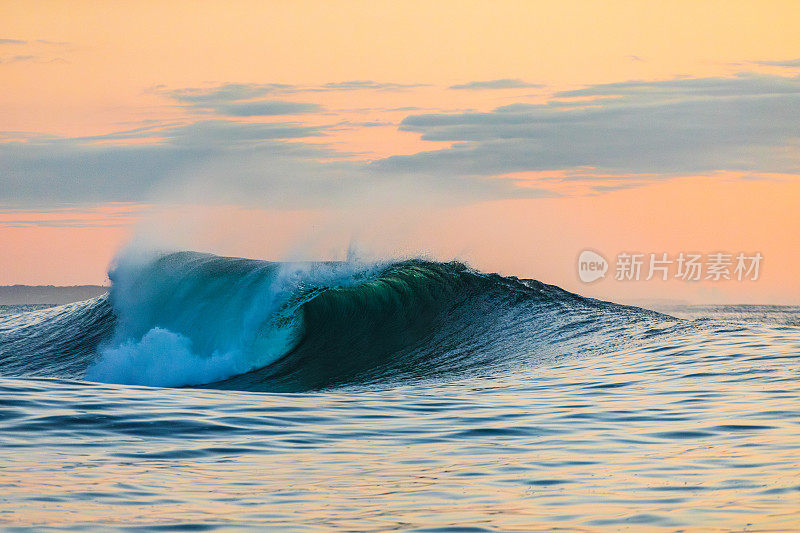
x: 192, y: 319
x: 188, y: 318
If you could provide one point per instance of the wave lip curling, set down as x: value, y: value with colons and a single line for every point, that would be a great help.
x: 188, y: 318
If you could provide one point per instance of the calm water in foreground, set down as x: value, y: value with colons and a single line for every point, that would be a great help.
x: 690, y: 424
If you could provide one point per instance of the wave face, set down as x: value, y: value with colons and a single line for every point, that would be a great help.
x: 192, y: 319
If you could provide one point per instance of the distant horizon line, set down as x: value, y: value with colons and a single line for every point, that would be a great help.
x: 93, y: 285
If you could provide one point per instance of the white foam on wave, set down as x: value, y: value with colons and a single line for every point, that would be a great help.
x: 162, y: 358
x: 190, y: 319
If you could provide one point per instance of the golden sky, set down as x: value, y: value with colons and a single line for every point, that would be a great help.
x: 520, y: 132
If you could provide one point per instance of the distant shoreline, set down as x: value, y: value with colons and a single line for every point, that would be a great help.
x: 48, y: 294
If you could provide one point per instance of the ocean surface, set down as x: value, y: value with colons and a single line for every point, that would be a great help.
x: 209, y: 393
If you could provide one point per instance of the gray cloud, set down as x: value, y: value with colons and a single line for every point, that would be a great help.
x: 213, y: 161
x: 229, y: 92
x: 357, y: 85
x: 238, y: 92
x: 789, y: 63
x: 63, y: 171
x: 54, y: 43
x: 207, y: 132
x: 645, y: 130
x: 746, y: 123
x: 30, y: 58
x: 496, y: 84
x: 247, y: 99
x: 19, y: 58
x: 743, y: 84
x: 238, y: 100
x: 39, y: 41
x: 264, y: 108
x: 64, y: 223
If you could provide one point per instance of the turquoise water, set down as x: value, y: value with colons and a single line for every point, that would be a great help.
x: 503, y: 405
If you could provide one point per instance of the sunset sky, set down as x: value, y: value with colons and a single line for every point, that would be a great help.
x: 511, y: 135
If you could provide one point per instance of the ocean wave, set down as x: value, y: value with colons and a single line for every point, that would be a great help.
x: 193, y: 319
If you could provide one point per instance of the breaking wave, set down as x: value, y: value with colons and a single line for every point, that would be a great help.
x: 193, y: 319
